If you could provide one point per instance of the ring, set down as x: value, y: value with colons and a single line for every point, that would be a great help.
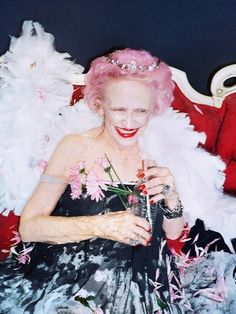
x: 167, y: 190
x: 134, y: 242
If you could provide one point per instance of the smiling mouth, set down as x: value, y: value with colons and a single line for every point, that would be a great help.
x: 126, y: 133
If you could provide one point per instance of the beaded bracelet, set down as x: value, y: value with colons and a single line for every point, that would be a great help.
x: 171, y: 213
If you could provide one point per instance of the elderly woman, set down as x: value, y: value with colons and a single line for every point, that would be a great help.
x: 98, y: 221
x: 102, y: 210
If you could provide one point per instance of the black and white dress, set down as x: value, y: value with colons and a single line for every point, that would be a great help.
x: 106, y: 276
x: 103, y: 276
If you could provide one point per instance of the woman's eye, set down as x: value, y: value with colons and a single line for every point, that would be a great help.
x: 118, y: 109
x: 142, y: 110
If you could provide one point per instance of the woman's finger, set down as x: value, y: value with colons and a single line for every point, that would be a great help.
x: 136, y: 239
x: 154, y: 190
x: 161, y: 196
x: 143, y: 223
x: 156, y: 186
x: 156, y: 172
x: 154, y: 181
x: 142, y: 233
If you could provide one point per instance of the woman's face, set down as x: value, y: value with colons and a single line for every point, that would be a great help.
x: 126, y: 108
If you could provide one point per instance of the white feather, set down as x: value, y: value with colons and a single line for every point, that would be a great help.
x: 34, y: 87
x: 199, y: 177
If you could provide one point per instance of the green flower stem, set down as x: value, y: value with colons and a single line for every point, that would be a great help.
x: 109, y: 173
x: 122, y: 201
x: 124, y: 187
x: 118, y: 191
x: 119, y: 195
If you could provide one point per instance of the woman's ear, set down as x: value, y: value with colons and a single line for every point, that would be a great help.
x: 99, y: 109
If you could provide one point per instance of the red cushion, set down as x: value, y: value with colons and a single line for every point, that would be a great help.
x: 8, y: 224
x: 226, y: 143
x: 204, y: 118
x: 77, y: 94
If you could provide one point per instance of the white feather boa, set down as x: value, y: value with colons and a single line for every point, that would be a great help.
x: 35, y: 83
x: 34, y: 115
x: 199, y: 177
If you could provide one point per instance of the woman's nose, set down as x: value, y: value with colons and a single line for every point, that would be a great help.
x: 128, y: 121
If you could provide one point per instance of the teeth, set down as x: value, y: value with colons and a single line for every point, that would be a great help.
x: 127, y: 132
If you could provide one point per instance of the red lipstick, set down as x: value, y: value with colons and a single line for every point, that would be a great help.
x: 126, y: 133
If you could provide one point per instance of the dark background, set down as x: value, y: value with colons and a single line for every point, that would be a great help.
x: 197, y: 37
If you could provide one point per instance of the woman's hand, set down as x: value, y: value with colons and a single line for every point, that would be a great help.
x: 156, y: 179
x: 124, y: 227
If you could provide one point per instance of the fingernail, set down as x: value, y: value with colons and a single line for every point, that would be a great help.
x: 141, y: 187
x: 151, y: 202
x: 144, y: 192
x: 140, y: 175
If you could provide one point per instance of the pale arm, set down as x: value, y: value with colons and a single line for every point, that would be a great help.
x: 36, y: 224
x: 173, y: 228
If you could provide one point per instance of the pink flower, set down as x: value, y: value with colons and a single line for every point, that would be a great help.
x: 103, y: 163
x: 94, y: 186
x: 81, y: 165
x: 42, y: 164
x: 75, y: 180
x: 76, y: 188
x: 132, y: 199
x: 16, y: 238
x: 76, y: 170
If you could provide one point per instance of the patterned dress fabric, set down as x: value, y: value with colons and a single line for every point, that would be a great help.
x: 106, y: 276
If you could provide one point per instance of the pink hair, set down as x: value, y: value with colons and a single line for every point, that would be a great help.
x: 101, y: 71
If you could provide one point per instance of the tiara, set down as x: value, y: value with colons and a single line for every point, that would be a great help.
x: 132, y: 66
